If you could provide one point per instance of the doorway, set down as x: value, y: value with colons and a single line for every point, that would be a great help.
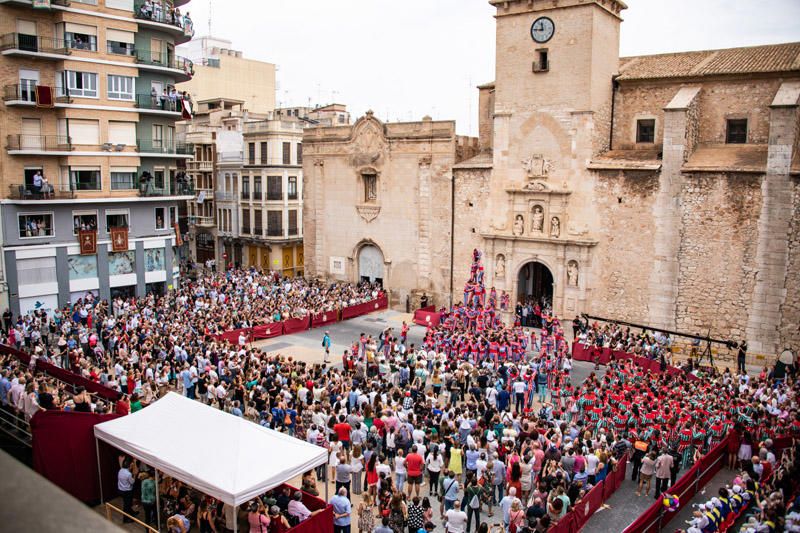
x: 535, y: 285
x: 370, y: 265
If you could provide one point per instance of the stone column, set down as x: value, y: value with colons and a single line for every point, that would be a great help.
x: 62, y: 275
x: 425, y: 221
x: 680, y: 121
x: 772, y: 253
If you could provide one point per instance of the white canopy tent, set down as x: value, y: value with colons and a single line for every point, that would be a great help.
x: 222, y: 455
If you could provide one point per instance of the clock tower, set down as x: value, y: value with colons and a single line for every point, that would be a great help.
x: 555, y: 64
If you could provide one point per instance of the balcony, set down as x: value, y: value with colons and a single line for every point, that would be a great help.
x: 155, y: 12
x: 273, y: 231
x: 149, y: 189
x: 25, y: 95
x: 223, y: 196
x: 160, y: 60
x: 203, y: 222
x: 156, y: 103
x: 161, y: 147
x: 201, y: 166
x: 27, y: 191
x: 38, y: 143
x: 20, y: 43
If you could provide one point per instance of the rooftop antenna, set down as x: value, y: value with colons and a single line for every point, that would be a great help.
x: 209, y: 17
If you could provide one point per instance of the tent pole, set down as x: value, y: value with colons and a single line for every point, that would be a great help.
x: 158, y: 502
x: 235, y: 519
x: 99, y: 471
x: 326, y: 484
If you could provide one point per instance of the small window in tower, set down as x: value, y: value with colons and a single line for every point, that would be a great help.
x: 646, y: 130
x: 736, y: 131
x: 542, y: 62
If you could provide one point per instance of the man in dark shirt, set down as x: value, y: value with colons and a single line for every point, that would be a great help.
x: 535, y: 512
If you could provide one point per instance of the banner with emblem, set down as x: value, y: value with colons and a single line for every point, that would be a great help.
x: 88, y: 242
x: 119, y: 239
x: 178, y: 238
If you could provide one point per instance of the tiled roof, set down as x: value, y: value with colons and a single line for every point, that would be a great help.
x: 752, y: 59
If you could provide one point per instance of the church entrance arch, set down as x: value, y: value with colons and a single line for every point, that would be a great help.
x: 370, y: 264
x: 535, y: 285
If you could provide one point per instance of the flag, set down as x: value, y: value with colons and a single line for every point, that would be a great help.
x: 178, y: 238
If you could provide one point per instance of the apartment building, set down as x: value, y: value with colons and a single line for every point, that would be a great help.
x: 247, y: 177
x: 270, y: 196
x: 222, y: 72
x: 91, y: 151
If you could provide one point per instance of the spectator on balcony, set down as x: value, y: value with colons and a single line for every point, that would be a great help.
x: 146, y: 9
x: 173, y: 99
x: 154, y: 97
x: 47, y: 188
x: 37, y: 183
x: 164, y: 99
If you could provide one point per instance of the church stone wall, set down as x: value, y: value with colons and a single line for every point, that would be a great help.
x: 790, y: 311
x: 625, y: 244
x: 719, y: 236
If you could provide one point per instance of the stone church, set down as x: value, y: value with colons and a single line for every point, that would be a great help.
x: 662, y: 189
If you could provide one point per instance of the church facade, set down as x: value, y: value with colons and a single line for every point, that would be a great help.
x: 661, y: 190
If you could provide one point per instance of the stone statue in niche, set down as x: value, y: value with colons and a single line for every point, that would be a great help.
x: 519, y: 225
x: 500, y: 267
x: 536, y: 166
x: 572, y: 273
x: 537, y: 219
x: 555, y: 227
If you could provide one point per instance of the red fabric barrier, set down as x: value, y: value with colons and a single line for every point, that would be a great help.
x: 324, y: 318
x: 293, y: 325
x: 565, y: 525
x: 318, y: 523
x: 267, y: 331
x: 427, y: 316
x: 64, y: 375
x: 591, y: 502
x: 604, y: 355
x: 366, y: 307
x: 64, y: 452
x: 232, y: 336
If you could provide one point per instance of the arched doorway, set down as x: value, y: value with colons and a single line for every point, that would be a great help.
x: 535, y: 285
x: 370, y: 264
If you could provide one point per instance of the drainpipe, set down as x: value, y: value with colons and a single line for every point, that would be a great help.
x: 452, y: 230
x: 614, y: 86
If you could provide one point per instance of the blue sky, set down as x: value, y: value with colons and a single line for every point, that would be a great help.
x: 405, y: 59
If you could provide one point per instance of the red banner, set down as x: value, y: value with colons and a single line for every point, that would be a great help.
x: 88, y: 242
x: 293, y: 325
x: 119, y: 239
x: 267, y: 331
x: 324, y: 318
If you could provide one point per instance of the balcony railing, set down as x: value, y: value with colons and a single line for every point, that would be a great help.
x: 292, y: 231
x: 27, y: 191
x: 148, y: 189
x: 202, y: 166
x: 26, y: 93
x: 258, y: 231
x: 40, y: 143
x: 201, y: 221
x: 223, y: 196
x: 33, y: 43
x: 148, y: 101
x: 161, y: 59
x: 161, y: 147
x: 156, y: 12
x: 275, y: 232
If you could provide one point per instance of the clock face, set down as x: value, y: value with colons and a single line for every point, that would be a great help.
x: 542, y: 29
